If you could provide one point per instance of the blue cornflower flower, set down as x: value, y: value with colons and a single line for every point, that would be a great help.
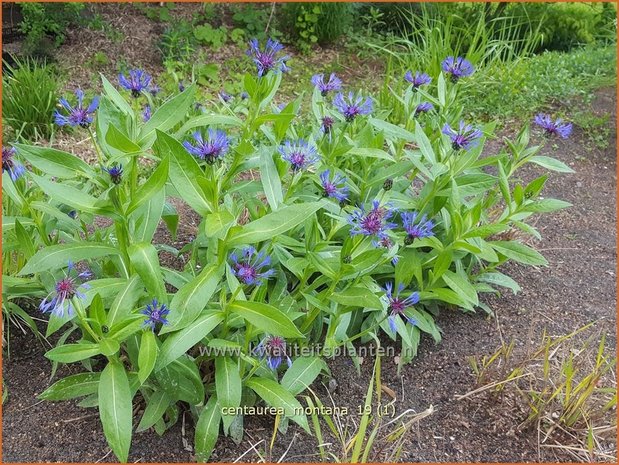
x: 372, y: 223
x: 457, y: 67
x: 78, y: 115
x: 556, y: 128
x: 10, y: 164
x: 299, y: 154
x: 334, y: 83
x: 225, y: 96
x: 267, y: 60
x: 334, y: 187
x: 273, y: 348
x: 250, y: 266
x: 327, y: 124
x: 416, y: 227
x: 210, y: 150
x: 397, y: 305
x: 138, y: 81
x: 466, y: 137
x: 418, y: 79
x: 115, y: 172
x: 386, y: 243
x: 155, y: 313
x: 153, y: 88
x: 423, y: 107
x: 146, y: 113
x: 353, y: 105
x: 68, y: 287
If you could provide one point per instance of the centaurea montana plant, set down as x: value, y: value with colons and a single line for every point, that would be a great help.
x: 317, y: 224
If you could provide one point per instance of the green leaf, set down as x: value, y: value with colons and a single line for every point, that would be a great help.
x: 271, y: 183
x: 441, y: 89
x: 207, y: 430
x: 302, y: 373
x: 274, y: 223
x: 115, y: 96
x: 147, y: 355
x: 119, y: 141
x: 54, y: 162
x: 191, y: 299
x: 216, y: 225
x: 58, y: 256
x: 391, y: 130
x: 109, y: 346
x: 70, y: 353
x: 207, y: 121
x: 147, y: 218
x: 370, y: 153
x: 146, y: 262
x: 125, y: 300
x: 546, y: 205
x: 25, y: 240
x: 499, y: 279
x: 179, y: 343
x: 228, y: 386
x: 551, y: 164
x: 519, y: 252
x: 424, y: 144
x: 82, y: 384
x: 276, y: 396
x: 155, y: 408
x: 357, y: 297
x: 154, y: 184
x: 115, y: 409
x: 73, y: 197
x: 461, y: 286
x: 169, y: 114
x: 266, y: 318
x: 185, y: 173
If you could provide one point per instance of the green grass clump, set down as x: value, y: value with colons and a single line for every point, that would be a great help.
x: 29, y: 97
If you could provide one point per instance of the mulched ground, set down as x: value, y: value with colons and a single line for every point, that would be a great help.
x: 578, y: 287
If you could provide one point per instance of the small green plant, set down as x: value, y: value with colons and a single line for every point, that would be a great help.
x: 208, y: 35
x: 322, y: 23
x: 99, y: 60
x: 305, y: 26
x: 159, y: 13
x: 177, y: 43
x: 30, y: 92
x: 256, y: 21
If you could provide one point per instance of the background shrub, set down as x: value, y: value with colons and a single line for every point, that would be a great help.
x: 321, y: 23
x: 45, y: 22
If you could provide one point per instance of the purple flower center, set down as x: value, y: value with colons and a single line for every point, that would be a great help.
x: 66, y: 287
x: 266, y: 60
x: 397, y: 305
x: 373, y: 221
x: 297, y: 159
x: 246, y: 272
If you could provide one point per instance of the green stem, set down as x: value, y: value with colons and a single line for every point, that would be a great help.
x: 97, y: 148
x: 81, y: 314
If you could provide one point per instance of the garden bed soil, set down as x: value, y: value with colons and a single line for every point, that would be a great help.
x: 578, y: 287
